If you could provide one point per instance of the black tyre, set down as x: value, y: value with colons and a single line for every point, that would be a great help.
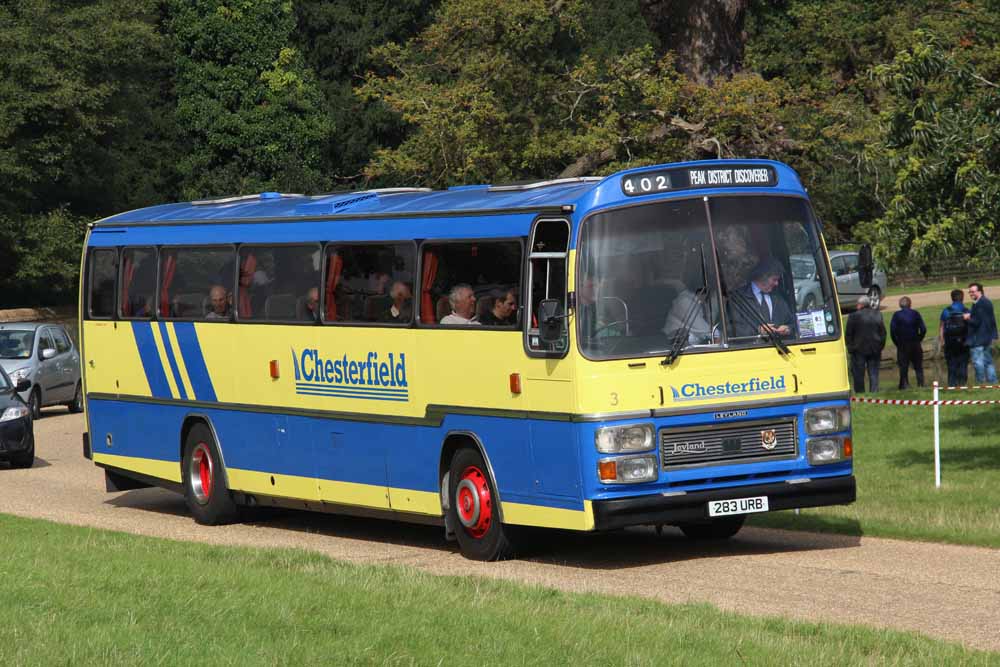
x: 875, y: 296
x: 475, y: 512
x: 76, y: 405
x: 35, y: 403
x: 24, y: 459
x: 716, y: 529
x: 204, y: 480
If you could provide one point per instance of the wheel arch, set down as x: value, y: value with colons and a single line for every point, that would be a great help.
x: 189, y: 423
x: 453, y: 442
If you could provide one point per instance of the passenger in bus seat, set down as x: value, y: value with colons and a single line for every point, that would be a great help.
x: 310, y: 306
x: 463, y: 306
x: 218, y: 303
x: 401, y: 309
x: 504, y: 309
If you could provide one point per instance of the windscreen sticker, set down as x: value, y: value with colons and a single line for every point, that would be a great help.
x: 812, y: 323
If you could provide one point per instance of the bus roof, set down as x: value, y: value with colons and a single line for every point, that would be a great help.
x: 553, y: 196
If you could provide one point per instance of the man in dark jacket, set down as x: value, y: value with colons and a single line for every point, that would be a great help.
x: 907, y: 330
x: 865, y: 336
x: 952, y: 335
x: 982, y: 333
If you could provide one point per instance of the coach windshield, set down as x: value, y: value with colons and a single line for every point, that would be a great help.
x: 700, y: 275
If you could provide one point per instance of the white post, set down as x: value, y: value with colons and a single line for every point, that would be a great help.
x: 937, y: 439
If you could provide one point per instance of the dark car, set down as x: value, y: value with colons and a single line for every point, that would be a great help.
x: 17, y: 432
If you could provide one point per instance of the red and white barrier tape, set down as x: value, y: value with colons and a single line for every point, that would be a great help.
x: 906, y: 401
x: 978, y: 386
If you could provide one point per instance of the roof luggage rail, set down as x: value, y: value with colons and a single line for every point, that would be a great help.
x: 236, y: 198
x: 544, y: 184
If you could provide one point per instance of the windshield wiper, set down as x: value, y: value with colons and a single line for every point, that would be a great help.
x: 680, y: 339
x: 742, y: 302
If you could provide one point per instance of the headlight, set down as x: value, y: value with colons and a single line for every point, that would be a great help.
x: 827, y: 420
x: 16, y: 412
x: 631, y: 438
x: 829, y: 450
x: 627, y: 470
x: 20, y: 374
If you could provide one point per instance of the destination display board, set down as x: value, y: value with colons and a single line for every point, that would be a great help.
x: 686, y: 178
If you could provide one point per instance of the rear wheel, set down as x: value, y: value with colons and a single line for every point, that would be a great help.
x: 35, y: 403
x: 203, y: 476
x: 716, y: 529
x: 76, y: 405
x: 475, y: 511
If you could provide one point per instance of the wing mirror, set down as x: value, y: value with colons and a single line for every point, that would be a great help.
x: 550, y: 320
x: 22, y: 385
x: 866, y: 266
x: 48, y: 353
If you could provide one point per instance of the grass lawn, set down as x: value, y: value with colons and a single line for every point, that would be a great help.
x: 84, y: 596
x: 940, y: 286
x: 894, y: 466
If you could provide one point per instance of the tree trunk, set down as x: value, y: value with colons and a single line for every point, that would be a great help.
x: 706, y: 35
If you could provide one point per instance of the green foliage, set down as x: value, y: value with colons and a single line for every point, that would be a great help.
x: 250, y: 110
x: 80, y: 107
x: 43, y: 252
x: 940, y: 141
x: 532, y: 88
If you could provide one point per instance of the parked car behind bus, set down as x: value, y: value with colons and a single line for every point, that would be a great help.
x: 845, y: 271
x: 17, y: 434
x: 44, y: 355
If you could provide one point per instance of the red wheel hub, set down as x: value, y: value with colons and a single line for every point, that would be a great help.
x: 202, y: 473
x: 473, y: 502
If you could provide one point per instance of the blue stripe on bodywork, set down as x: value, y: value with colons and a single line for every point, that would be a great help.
x: 172, y: 361
x: 150, y: 357
x: 201, y: 381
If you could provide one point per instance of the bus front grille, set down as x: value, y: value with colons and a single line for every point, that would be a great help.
x: 746, y: 442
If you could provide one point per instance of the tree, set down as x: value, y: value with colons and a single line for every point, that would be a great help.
x: 942, y: 145
x: 532, y: 88
x: 249, y: 110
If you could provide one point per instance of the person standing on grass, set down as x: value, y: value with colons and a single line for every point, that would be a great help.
x: 865, y: 337
x: 982, y: 333
x: 907, y: 329
x: 952, y: 334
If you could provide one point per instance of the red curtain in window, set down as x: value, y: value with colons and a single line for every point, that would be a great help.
x: 333, y: 268
x: 169, y: 268
x: 426, y: 282
x: 247, y: 268
x: 128, y: 272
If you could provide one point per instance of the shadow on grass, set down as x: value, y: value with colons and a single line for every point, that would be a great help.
x: 978, y: 427
x: 810, y: 523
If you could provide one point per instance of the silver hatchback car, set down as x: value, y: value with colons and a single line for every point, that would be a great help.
x: 44, y: 355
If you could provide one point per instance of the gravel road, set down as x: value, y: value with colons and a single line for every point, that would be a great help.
x: 948, y: 592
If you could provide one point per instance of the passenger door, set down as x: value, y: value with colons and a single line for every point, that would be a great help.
x: 48, y: 376
x: 69, y: 363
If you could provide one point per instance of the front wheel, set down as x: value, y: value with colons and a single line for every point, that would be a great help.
x: 875, y: 296
x: 35, y: 404
x: 475, y: 510
x: 203, y: 476
x: 715, y: 529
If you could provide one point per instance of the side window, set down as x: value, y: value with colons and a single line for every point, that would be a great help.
x: 371, y: 283
x: 473, y: 283
x: 103, y: 270
x: 837, y: 264
x: 61, y: 341
x: 547, y: 280
x: 45, y: 342
x: 279, y: 283
x: 138, y: 283
x: 851, y: 262
x: 197, y: 283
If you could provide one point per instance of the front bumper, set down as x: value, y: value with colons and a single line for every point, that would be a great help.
x: 16, y: 436
x: 693, y: 506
